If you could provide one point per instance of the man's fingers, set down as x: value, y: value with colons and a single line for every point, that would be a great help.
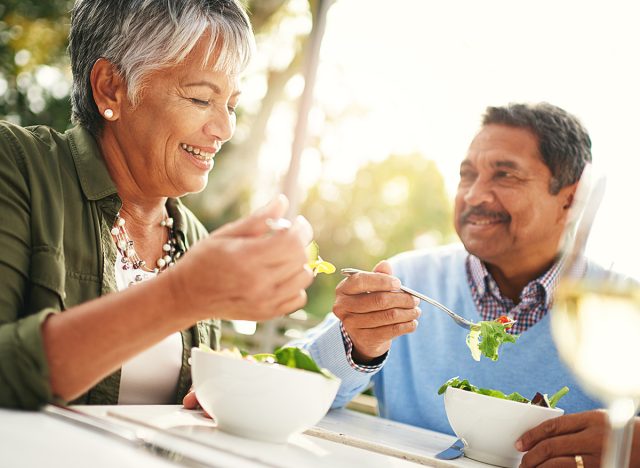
x: 372, y: 302
x: 574, y: 434
x: 566, y: 424
x: 367, y: 337
x: 383, y: 266
x: 555, y: 448
x: 570, y: 462
x: 380, y: 318
x: 362, y: 282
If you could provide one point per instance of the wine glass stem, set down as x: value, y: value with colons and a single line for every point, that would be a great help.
x: 618, y: 449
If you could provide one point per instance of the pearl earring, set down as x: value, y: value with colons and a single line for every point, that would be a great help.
x: 108, y: 113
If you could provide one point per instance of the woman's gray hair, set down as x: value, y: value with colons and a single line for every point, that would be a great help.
x: 143, y: 36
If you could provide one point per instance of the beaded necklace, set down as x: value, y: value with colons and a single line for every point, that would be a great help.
x: 130, y: 258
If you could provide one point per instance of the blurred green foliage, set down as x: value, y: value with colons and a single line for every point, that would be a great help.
x: 34, y: 74
x: 391, y: 206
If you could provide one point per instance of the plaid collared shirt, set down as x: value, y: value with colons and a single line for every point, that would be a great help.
x: 366, y: 368
x: 535, y: 298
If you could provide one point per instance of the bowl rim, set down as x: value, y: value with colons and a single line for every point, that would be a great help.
x: 557, y: 410
x: 275, y: 366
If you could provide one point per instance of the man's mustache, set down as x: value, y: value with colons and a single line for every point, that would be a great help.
x: 483, y: 212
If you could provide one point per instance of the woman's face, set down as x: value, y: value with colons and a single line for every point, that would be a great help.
x: 169, y: 139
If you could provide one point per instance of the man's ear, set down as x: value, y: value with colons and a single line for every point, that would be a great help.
x: 109, y: 90
x: 569, y: 202
x: 569, y: 193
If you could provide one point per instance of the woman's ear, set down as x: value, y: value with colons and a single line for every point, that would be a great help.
x: 108, y: 88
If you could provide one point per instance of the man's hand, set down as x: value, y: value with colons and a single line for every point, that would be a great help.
x: 556, y: 442
x: 373, y: 311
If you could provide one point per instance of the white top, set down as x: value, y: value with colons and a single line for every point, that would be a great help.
x: 151, y: 377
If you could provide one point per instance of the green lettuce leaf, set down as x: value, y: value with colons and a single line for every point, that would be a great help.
x: 486, y: 337
x: 456, y: 382
x: 286, y: 356
x: 299, y: 359
x: 553, y: 400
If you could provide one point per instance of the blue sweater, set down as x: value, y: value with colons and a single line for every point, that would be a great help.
x: 419, y: 363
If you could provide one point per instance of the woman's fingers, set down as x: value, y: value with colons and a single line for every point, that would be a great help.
x: 191, y: 402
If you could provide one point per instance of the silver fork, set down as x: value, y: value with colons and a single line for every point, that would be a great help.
x: 461, y: 321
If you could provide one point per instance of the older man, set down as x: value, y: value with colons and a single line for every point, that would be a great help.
x: 517, y: 183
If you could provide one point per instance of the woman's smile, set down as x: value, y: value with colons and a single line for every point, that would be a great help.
x: 200, y: 158
x: 203, y: 154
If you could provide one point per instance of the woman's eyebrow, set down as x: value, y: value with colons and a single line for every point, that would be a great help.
x: 209, y: 84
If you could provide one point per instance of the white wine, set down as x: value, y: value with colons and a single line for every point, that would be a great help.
x: 597, y: 331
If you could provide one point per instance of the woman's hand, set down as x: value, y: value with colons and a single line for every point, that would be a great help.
x: 190, y: 401
x: 557, y: 442
x: 246, y: 271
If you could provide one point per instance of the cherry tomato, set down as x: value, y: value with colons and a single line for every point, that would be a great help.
x: 508, y: 323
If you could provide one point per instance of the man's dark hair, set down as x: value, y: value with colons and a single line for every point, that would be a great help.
x: 563, y: 142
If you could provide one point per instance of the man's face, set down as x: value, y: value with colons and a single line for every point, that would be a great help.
x: 504, y: 213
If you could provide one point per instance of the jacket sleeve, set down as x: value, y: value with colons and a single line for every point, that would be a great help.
x: 23, y: 367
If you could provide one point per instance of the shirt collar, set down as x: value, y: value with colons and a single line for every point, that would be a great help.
x: 483, y: 281
x: 92, y: 171
x: 478, y: 273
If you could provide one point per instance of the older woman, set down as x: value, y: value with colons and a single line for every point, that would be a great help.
x: 98, y: 301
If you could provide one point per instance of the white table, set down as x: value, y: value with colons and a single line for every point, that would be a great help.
x: 342, y: 439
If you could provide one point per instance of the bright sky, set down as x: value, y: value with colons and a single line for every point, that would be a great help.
x: 424, y: 71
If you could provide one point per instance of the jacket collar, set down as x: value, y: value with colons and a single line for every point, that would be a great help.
x: 92, y: 171
x: 96, y: 182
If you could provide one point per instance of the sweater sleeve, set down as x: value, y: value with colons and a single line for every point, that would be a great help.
x: 326, y: 345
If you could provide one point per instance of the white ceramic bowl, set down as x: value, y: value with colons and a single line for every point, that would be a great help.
x: 490, y: 426
x: 260, y: 401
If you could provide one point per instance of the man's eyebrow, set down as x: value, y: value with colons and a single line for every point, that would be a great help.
x: 506, y: 164
x: 214, y: 87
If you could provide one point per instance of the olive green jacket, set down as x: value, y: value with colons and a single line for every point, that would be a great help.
x: 57, y: 206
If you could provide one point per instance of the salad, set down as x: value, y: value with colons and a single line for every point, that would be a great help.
x: 286, y: 356
x: 315, y: 261
x: 493, y: 334
x: 539, y: 399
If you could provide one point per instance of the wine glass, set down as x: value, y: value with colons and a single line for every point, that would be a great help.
x: 595, y: 319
